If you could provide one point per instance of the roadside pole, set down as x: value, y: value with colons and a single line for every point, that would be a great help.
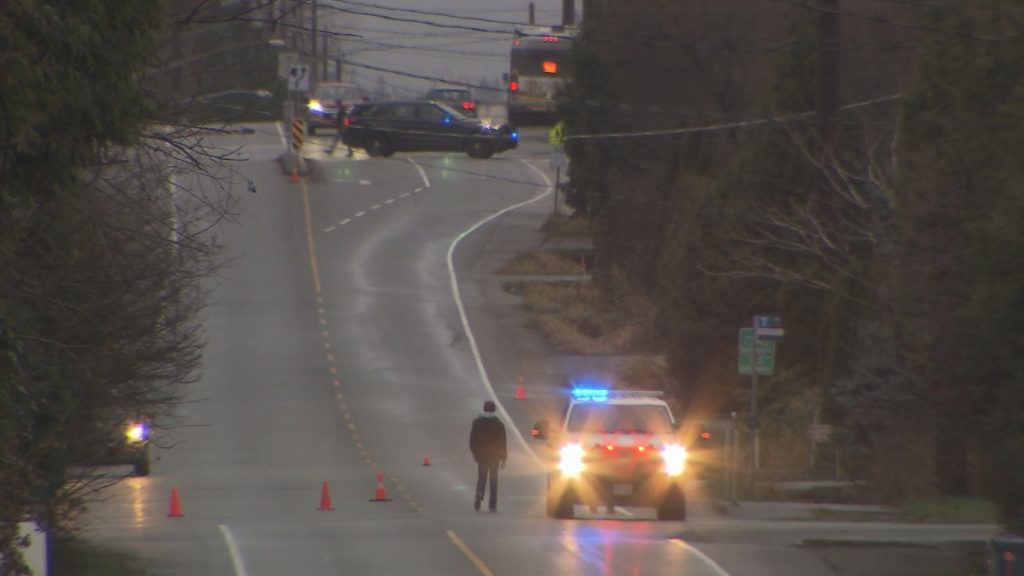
x: 755, y: 426
x: 556, y: 137
x: 764, y: 330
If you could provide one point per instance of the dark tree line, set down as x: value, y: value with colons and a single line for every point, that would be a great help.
x: 107, y: 200
x: 885, y: 229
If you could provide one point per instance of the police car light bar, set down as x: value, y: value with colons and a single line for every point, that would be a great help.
x: 591, y: 394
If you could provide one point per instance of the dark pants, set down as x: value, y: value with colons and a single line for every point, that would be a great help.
x: 483, y: 470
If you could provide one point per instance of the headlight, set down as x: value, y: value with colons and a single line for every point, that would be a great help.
x: 315, y: 106
x: 675, y: 459
x: 571, y: 463
x: 137, y: 432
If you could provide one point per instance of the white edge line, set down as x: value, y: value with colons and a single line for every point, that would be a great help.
x: 236, y: 555
x: 703, y: 557
x: 423, y: 173
x: 462, y: 310
x: 280, y: 133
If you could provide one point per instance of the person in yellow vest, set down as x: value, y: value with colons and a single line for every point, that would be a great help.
x: 557, y: 134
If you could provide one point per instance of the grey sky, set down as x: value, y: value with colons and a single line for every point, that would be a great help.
x: 418, y: 49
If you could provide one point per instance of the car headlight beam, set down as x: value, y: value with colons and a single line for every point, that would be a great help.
x: 571, y: 462
x: 674, y: 456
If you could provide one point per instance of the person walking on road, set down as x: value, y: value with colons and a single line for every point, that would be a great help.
x: 340, y: 119
x: 487, y: 442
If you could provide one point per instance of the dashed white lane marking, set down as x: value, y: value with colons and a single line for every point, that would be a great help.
x: 365, y: 182
x: 233, y: 551
x: 379, y: 206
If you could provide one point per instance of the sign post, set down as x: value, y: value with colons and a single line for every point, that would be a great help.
x: 757, y: 357
x: 556, y: 137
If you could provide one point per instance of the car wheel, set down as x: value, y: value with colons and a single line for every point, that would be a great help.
x: 479, y: 148
x: 673, y: 505
x: 378, y: 145
x: 560, y: 503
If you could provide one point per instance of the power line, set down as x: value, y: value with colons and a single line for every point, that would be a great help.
x: 717, y: 127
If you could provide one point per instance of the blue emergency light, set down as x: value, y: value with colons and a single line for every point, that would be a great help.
x: 590, y: 391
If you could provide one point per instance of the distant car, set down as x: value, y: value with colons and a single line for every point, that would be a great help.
x: 125, y: 444
x: 323, y: 104
x: 383, y: 128
x: 458, y: 98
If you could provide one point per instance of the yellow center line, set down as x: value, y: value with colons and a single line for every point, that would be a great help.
x: 309, y: 238
x: 470, y: 554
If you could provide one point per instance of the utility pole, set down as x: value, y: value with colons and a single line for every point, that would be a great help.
x: 312, y: 38
x: 828, y: 76
x: 568, y: 13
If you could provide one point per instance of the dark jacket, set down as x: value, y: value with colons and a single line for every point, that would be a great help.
x: 487, y: 439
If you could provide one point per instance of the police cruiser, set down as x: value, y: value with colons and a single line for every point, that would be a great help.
x: 616, y: 447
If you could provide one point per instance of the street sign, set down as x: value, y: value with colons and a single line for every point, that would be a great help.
x: 557, y: 158
x: 768, y: 327
x: 298, y: 78
x: 765, y: 354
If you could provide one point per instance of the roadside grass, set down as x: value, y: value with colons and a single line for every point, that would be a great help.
x: 949, y: 510
x: 567, y: 227
x: 80, y: 557
x: 575, y: 318
x: 540, y: 262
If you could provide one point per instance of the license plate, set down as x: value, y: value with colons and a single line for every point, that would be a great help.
x: 622, y: 489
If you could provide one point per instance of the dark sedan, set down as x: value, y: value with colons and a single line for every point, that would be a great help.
x: 383, y: 128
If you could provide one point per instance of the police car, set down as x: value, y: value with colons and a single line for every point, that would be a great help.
x: 616, y: 447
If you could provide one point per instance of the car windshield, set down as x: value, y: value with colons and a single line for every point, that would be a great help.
x: 450, y: 110
x: 639, y: 418
x: 450, y: 95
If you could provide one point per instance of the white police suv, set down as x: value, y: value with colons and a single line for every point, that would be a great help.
x: 616, y: 447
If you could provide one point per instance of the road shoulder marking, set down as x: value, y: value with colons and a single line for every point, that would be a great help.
x: 233, y: 551
x: 470, y: 554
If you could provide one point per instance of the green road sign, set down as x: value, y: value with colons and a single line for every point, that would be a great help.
x: 765, y: 354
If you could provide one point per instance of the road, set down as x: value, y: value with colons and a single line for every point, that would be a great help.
x: 357, y: 332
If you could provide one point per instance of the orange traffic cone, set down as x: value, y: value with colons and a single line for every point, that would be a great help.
x: 295, y: 174
x: 175, y: 504
x: 520, y: 390
x: 426, y: 460
x: 381, y: 495
x: 325, y: 498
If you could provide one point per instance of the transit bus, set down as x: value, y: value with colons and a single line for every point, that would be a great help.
x: 538, y: 72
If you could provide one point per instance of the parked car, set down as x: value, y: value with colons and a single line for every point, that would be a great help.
x: 458, y: 98
x: 120, y: 444
x: 323, y: 104
x: 383, y: 128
